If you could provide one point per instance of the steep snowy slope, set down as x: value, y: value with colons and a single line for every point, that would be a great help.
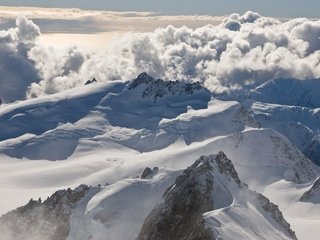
x: 260, y: 156
x: 210, y: 186
x: 145, y: 114
x: 300, y: 125
x: 290, y: 106
x: 37, y: 116
x: 145, y: 101
x: 294, y: 92
x: 88, y: 212
x: 218, y: 119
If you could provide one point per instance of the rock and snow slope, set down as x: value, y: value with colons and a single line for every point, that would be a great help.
x: 109, y: 133
x: 194, y: 207
x: 313, y: 194
x: 208, y: 201
x: 49, y: 220
x: 291, y: 107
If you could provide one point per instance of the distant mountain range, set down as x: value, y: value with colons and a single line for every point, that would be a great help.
x: 222, y: 169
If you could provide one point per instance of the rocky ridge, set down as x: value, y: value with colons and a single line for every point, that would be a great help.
x: 203, y: 187
x: 48, y: 220
x: 158, y: 88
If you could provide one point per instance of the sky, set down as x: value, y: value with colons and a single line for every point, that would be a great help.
x: 276, y: 8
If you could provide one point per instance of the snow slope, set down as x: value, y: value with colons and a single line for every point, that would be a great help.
x: 291, y: 107
x: 211, y: 185
x: 293, y: 92
x: 110, y: 132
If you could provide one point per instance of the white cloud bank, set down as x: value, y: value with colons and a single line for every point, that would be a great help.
x: 17, y: 71
x: 241, y: 52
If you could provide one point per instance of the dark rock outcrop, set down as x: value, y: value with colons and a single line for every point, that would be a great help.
x: 158, y: 88
x: 149, y: 173
x: 276, y: 214
x: 179, y: 216
x: 48, y: 220
x: 313, y: 194
x: 94, y: 80
x: 205, y: 186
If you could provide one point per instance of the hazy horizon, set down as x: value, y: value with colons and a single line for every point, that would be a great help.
x: 284, y: 8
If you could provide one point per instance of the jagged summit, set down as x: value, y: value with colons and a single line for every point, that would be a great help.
x: 188, y: 209
x: 91, y: 81
x: 48, y: 220
x: 143, y: 78
x: 145, y: 101
x: 157, y: 88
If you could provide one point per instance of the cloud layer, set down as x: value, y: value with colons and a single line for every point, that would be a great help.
x: 17, y: 70
x: 91, y: 21
x: 240, y: 53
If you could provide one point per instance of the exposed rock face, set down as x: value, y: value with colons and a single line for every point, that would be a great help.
x: 205, y: 186
x: 42, y: 221
x: 303, y: 170
x: 159, y: 88
x: 149, y: 173
x: 94, y: 80
x: 276, y: 214
x: 226, y: 167
x: 179, y: 216
x: 142, y: 78
x: 313, y: 194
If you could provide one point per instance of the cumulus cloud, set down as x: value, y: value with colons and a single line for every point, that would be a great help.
x: 17, y: 71
x: 240, y: 53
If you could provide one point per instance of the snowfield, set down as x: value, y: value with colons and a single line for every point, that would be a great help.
x: 104, y: 135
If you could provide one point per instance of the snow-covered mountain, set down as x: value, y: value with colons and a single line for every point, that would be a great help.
x: 291, y: 107
x: 293, y: 92
x: 207, y: 201
x: 107, y: 134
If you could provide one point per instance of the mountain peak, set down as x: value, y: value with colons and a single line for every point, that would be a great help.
x: 210, y: 163
x: 188, y: 208
x: 158, y: 88
x: 142, y: 78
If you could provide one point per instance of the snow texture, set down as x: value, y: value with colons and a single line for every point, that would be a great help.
x: 107, y: 134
